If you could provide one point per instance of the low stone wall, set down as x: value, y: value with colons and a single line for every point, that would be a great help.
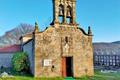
x: 5, y: 59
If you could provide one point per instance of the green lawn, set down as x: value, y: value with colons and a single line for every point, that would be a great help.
x: 102, y: 76
x: 30, y: 78
x: 98, y: 76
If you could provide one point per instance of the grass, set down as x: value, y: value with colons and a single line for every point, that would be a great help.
x: 102, y: 76
x: 98, y: 76
x: 30, y: 78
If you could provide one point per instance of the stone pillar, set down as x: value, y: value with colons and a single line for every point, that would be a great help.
x: 65, y: 11
x: 56, y: 11
x: 74, y: 12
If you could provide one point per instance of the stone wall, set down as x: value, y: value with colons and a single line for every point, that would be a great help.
x: 51, y: 44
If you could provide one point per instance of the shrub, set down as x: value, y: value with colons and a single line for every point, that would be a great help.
x: 20, y: 62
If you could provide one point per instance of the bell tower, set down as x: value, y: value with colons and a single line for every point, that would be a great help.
x: 64, y: 12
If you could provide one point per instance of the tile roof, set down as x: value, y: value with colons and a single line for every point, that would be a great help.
x: 11, y: 48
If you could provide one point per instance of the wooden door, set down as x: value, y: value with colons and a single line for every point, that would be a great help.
x: 63, y: 66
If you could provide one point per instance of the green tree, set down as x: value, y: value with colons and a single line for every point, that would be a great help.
x: 20, y: 62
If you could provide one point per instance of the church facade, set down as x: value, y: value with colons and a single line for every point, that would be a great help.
x: 63, y: 49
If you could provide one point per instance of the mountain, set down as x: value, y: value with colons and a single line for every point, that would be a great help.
x: 12, y: 37
x: 116, y: 42
x: 112, y: 48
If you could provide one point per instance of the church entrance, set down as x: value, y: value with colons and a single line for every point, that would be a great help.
x: 67, y: 66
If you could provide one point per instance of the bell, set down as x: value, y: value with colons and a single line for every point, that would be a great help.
x: 68, y: 14
x: 60, y: 12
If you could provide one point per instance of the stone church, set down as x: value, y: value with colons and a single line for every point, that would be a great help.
x: 63, y: 49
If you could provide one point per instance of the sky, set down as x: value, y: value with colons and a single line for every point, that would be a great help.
x: 102, y: 15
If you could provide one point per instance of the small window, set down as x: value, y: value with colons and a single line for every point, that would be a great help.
x: 66, y: 39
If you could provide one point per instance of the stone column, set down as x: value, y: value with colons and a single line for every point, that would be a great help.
x: 56, y: 11
x: 74, y: 12
x: 64, y: 16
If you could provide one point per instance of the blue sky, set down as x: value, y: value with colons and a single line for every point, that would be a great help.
x: 102, y: 15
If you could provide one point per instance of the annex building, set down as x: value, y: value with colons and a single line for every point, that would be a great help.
x: 63, y: 49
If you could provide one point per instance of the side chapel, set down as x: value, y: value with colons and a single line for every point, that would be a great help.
x: 63, y: 49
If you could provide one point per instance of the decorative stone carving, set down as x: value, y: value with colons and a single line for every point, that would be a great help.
x: 66, y: 48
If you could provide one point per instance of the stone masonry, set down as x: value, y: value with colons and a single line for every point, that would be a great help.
x: 62, y: 39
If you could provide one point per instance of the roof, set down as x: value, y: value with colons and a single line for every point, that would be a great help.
x: 26, y: 35
x: 11, y: 48
x: 27, y: 41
